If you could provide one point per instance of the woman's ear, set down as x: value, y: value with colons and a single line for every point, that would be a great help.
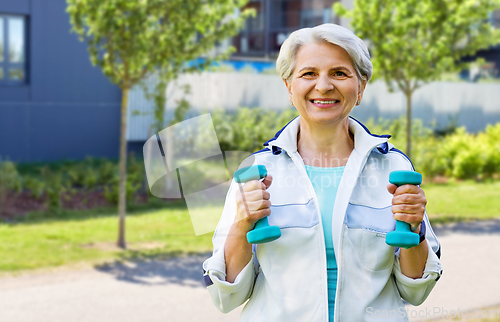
x: 361, y: 89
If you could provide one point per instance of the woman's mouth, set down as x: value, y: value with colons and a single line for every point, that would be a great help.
x: 324, y: 103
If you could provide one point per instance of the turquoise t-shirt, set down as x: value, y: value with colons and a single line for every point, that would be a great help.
x: 326, y: 183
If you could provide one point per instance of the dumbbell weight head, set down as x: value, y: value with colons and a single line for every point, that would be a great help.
x: 403, y: 236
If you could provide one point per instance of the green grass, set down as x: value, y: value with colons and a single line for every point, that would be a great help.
x: 462, y: 201
x: 87, y: 237
x: 160, y: 230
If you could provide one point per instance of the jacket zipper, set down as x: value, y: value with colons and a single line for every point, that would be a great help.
x: 341, y: 241
x: 302, y: 169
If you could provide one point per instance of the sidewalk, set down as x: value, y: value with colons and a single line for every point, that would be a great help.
x: 154, y: 291
x: 146, y: 291
x: 471, y: 264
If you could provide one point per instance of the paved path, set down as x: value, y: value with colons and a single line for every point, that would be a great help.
x: 172, y: 291
x: 471, y: 263
x: 145, y: 291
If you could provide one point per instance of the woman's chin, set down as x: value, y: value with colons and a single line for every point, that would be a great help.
x: 325, y: 117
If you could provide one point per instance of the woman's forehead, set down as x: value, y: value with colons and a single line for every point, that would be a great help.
x: 322, y: 53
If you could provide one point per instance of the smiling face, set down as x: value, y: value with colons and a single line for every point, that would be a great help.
x: 324, y: 86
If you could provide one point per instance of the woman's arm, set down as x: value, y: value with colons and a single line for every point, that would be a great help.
x: 253, y: 203
x: 237, y: 251
x: 413, y: 260
x: 408, y: 205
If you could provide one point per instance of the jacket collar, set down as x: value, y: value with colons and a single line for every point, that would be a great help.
x: 364, y: 141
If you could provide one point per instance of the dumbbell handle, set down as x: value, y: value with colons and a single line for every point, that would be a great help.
x: 262, y: 232
x: 403, y: 236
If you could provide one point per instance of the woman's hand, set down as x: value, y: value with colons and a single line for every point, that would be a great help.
x: 408, y: 204
x: 252, y: 202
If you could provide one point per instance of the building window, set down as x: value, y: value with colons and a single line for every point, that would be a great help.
x: 275, y: 20
x: 12, y: 49
x: 250, y: 41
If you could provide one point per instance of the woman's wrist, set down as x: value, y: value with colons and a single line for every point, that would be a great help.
x: 239, y: 229
x: 415, y: 229
x: 242, y: 226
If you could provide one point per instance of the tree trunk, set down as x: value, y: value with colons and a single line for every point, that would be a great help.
x: 123, y: 171
x: 408, y: 94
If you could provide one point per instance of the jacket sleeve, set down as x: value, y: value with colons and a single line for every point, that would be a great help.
x: 228, y: 296
x: 415, y: 291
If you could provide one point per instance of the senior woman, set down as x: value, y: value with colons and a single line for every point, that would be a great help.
x: 330, y: 196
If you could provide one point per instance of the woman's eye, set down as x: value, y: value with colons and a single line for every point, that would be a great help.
x: 308, y: 74
x: 339, y: 73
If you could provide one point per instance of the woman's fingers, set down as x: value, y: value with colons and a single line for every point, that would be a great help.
x: 255, y: 195
x: 409, y: 209
x: 391, y: 188
x: 252, y: 201
x: 257, y: 184
x: 267, y: 181
x: 257, y: 205
x: 408, y: 203
x: 259, y: 214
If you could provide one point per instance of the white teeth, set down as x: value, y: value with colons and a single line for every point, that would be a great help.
x: 324, y: 102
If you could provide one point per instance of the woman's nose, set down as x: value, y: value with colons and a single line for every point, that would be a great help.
x: 324, y: 84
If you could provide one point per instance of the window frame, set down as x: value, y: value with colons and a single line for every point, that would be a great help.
x: 268, y: 8
x: 6, y: 64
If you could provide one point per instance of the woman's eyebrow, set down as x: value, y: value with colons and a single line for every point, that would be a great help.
x: 333, y: 68
x: 341, y: 68
x: 306, y: 68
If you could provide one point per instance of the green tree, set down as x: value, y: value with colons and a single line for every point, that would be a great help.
x: 413, y: 42
x: 131, y: 40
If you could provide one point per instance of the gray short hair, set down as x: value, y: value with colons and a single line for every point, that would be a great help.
x: 333, y: 34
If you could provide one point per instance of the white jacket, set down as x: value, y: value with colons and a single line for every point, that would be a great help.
x: 286, y: 280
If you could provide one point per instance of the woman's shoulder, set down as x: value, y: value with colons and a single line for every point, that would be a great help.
x: 390, y: 158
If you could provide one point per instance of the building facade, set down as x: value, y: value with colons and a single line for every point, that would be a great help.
x: 53, y: 103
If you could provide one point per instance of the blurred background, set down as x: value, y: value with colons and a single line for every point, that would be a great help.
x: 61, y: 125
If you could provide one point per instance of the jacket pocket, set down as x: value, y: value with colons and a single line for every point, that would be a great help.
x: 294, y: 215
x: 367, y: 228
x: 374, y: 253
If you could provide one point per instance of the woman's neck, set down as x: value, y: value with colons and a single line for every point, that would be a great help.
x: 325, y: 146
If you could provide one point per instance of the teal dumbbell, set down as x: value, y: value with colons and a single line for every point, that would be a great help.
x: 262, y: 232
x: 403, y: 236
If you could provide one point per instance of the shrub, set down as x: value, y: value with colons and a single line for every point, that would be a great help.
x: 107, y: 172
x: 111, y: 191
x: 9, y: 181
x: 76, y: 174
x: 459, y: 154
x: 463, y: 155
x: 469, y: 163
x: 136, y: 170
x: 248, y: 128
x: 54, y: 189
x: 91, y: 179
x: 35, y: 186
x: 9, y: 177
x: 490, y: 141
x: 423, y: 142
